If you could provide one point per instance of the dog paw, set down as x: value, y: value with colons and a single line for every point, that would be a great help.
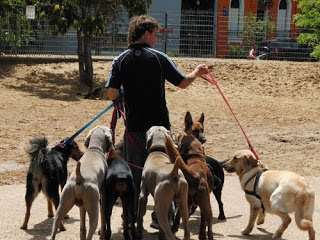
x: 276, y: 235
x: 246, y: 231
x: 24, y: 227
x: 222, y: 217
x: 260, y: 221
x: 62, y: 228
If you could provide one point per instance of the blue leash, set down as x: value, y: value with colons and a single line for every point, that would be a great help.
x: 98, y: 115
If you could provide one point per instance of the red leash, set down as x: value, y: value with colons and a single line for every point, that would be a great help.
x: 214, y: 82
x: 117, y: 113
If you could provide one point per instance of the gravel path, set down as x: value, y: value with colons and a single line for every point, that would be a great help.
x: 236, y: 208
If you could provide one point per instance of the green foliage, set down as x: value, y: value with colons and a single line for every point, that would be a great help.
x: 236, y: 51
x: 136, y: 7
x: 255, y: 31
x: 308, y: 19
x: 15, y: 29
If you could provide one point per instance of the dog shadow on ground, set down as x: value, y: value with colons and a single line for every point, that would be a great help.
x: 146, y: 235
x: 265, y: 235
x: 43, y: 229
x: 194, y: 222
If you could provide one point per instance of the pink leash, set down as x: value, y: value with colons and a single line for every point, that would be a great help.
x: 119, y: 110
x: 214, y: 82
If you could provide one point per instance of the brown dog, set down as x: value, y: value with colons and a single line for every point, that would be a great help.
x: 196, y: 128
x: 276, y: 192
x: 197, y: 175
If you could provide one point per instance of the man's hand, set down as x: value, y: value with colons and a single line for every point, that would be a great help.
x: 200, y: 70
x: 112, y: 93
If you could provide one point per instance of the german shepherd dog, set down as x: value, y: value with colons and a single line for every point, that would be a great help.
x: 196, y: 128
x: 47, y: 171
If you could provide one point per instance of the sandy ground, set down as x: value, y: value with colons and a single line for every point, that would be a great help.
x: 278, y: 104
x: 12, y: 205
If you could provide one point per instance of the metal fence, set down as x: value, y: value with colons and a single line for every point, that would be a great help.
x: 189, y: 34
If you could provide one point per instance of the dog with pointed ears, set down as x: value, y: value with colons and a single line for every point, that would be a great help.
x: 200, y: 182
x: 196, y: 128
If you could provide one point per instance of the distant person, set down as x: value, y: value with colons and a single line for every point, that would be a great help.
x: 252, y: 54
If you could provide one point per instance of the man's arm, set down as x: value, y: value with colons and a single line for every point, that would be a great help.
x: 197, y: 72
x: 113, y: 84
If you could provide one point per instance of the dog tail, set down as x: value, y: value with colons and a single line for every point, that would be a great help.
x: 175, y: 157
x: 303, y: 215
x: 78, y: 174
x: 37, y: 149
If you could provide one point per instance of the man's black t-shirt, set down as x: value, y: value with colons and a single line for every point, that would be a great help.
x: 142, y: 72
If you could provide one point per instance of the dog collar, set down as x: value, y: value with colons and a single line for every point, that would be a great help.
x: 158, y: 149
x: 98, y: 150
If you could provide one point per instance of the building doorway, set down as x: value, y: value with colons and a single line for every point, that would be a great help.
x: 284, y: 19
x: 197, y: 30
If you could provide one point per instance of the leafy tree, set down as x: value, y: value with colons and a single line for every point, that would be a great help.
x: 15, y: 29
x: 136, y: 7
x: 255, y: 31
x: 89, y: 18
x: 308, y: 19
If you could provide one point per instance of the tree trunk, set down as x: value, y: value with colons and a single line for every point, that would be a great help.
x: 85, y: 61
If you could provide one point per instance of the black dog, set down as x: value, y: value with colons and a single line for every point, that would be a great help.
x: 196, y: 128
x: 47, y: 171
x: 119, y: 183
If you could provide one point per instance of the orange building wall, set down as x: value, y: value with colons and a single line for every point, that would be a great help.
x: 250, y: 6
x: 222, y: 28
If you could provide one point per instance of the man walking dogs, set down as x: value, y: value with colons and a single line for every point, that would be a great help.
x: 141, y: 71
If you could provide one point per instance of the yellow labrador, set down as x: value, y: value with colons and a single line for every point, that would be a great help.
x: 275, y: 192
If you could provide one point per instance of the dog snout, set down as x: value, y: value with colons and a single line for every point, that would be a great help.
x: 226, y: 164
x: 202, y: 138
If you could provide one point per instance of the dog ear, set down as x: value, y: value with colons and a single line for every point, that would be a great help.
x: 201, y: 119
x: 251, y: 161
x: 109, y: 138
x: 178, y: 138
x: 87, y: 141
x: 188, y: 121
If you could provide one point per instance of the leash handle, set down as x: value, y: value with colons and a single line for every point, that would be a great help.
x: 214, y: 82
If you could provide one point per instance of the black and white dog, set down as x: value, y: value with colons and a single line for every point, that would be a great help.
x: 47, y: 171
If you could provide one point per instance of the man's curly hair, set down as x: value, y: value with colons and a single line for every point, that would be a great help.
x: 138, y: 25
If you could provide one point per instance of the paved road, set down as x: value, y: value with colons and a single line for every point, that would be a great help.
x: 12, y: 211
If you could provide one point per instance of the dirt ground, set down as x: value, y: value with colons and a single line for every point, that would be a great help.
x: 278, y: 104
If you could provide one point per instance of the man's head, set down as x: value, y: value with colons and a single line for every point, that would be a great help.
x: 143, y: 29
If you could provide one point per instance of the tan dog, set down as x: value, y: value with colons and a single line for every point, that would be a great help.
x: 276, y: 192
x: 85, y: 183
x: 165, y: 182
